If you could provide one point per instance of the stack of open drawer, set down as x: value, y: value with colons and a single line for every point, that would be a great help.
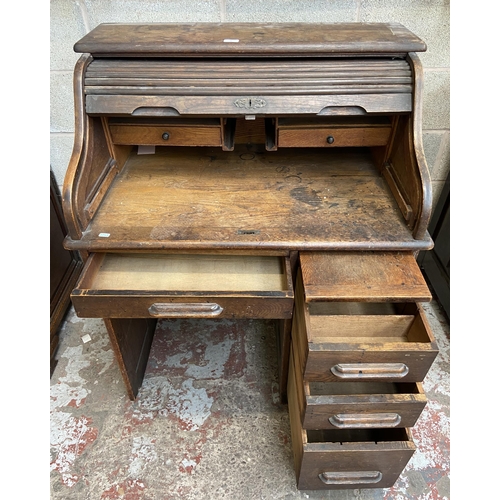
x: 361, y: 346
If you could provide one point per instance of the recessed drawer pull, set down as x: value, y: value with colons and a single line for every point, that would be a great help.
x: 185, y: 310
x: 364, y: 420
x: 370, y: 370
x: 364, y: 477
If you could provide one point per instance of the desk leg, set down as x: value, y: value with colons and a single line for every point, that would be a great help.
x: 284, y: 340
x: 131, y: 340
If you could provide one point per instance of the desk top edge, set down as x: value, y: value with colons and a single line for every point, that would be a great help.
x: 248, y: 39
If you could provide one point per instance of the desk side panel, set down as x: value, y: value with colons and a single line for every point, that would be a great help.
x: 92, y: 167
x: 404, y: 166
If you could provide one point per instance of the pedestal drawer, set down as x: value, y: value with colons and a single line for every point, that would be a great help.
x: 345, y: 459
x: 357, y: 405
x: 357, y: 318
x: 347, y: 342
x: 198, y: 286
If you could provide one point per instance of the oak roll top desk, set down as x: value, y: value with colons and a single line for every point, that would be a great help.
x: 264, y: 171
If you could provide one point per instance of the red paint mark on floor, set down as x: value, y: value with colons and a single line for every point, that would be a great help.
x: 285, y: 438
x: 130, y: 489
x: 236, y: 363
x: 76, y: 403
x: 189, y: 463
x: 134, y: 417
x: 76, y: 436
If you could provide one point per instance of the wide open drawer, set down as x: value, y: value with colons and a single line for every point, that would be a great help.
x: 199, y: 286
x: 357, y: 405
x: 345, y: 459
x: 378, y: 342
x: 356, y: 318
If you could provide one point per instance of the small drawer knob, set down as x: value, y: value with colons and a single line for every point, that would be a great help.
x: 330, y: 139
x: 165, y: 136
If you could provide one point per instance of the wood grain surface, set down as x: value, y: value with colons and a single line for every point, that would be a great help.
x: 363, y: 276
x: 256, y: 39
x: 203, y: 198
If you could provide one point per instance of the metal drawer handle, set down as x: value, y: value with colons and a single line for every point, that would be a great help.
x: 364, y: 420
x: 370, y: 370
x: 330, y: 139
x: 165, y: 136
x: 185, y: 310
x: 364, y: 477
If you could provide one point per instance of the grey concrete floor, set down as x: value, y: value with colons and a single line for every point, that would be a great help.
x: 208, y: 422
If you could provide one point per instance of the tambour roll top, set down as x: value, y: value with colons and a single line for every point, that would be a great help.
x: 166, y: 70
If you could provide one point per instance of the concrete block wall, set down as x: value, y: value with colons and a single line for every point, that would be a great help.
x: 429, y: 19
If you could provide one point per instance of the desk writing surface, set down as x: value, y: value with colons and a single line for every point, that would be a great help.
x: 204, y: 198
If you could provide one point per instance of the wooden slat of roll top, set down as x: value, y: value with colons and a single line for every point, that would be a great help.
x: 170, y: 77
x: 241, y: 82
x: 238, y: 90
x: 250, y: 66
x: 204, y: 67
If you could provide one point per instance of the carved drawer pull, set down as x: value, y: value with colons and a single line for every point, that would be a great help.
x: 362, y: 477
x: 370, y: 370
x: 364, y: 420
x: 185, y: 310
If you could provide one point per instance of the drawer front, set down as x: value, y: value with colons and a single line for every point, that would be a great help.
x: 353, y: 465
x: 167, y: 135
x: 345, y: 458
x: 329, y: 137
x: 366, y: 363
x: 360, y: 411
x: 357, y: 405
x: 184, y: 286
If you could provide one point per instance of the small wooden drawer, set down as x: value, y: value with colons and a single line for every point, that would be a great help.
x: 345, y: 458
x: 198, y: 286
x: 339, y: 133
x: 357, y: 405
x: 166, y: 135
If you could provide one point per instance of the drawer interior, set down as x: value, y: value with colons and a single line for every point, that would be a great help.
x: 353, y: 308
x: 224, y: 273
x: 359, y: 388
x: 341, y: 322
x: 341, y: 436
